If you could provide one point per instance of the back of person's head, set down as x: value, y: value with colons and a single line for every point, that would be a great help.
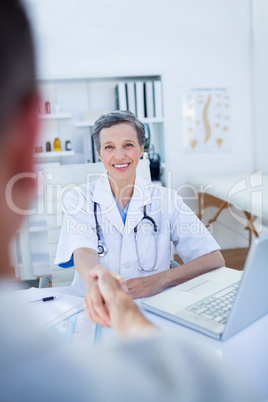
x: 18, y: 120
x: 17, y: 66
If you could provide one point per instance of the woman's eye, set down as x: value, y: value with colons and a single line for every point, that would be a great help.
x: 108, y: 147
x: 129, y: 145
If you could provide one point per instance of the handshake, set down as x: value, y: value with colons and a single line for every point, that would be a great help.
x: 108, y: 304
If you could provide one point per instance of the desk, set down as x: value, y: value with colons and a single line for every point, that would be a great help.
x: 247, y: 193
x: 246, y: 352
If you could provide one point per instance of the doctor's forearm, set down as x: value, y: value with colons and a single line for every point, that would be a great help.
x: 156, y: 283
x: 193, y: 268
x: 84, y: 260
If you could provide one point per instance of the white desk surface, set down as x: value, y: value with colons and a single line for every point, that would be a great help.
x: 246, y: 352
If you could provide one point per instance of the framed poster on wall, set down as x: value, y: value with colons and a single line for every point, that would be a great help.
x: 207, y: 120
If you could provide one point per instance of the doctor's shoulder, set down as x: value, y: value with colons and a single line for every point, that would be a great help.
x: 78, y: 196
x: 168, y: 197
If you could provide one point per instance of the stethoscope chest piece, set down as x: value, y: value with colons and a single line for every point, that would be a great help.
x: 102, y: 249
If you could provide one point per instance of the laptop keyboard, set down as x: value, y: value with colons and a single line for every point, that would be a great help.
x: 218, y: 306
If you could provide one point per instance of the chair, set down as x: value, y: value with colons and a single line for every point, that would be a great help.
x: 58, y: 180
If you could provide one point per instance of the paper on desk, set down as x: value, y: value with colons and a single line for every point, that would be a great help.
x: 51, y: 312
x: 65, y: 329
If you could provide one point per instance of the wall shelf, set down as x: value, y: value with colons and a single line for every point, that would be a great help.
x: 152, y: 120
x: 148, y: 120
x: 55, y: 116
x: 84, y: 124
x: 53, y: 154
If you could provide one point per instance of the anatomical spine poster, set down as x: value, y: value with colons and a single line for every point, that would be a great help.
x: 207, y: 120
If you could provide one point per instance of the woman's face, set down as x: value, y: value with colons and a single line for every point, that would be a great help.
x: 120, y: 152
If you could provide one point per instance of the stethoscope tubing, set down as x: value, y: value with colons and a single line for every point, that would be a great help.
x: 103, y: 248
x: 145, y: 216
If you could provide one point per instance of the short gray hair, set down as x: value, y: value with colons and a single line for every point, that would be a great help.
x: 118, y: 117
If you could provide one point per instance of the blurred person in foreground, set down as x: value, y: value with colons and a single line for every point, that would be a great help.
x: 147, y: 365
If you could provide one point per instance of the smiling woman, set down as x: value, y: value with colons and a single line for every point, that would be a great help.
x: 130, y: 224
x: 120, y: 152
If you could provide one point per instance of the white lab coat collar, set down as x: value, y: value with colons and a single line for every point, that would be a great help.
x: 103, y: 196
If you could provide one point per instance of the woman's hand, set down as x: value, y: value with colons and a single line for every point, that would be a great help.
x: 95, y: 305
x: 146, y: 286
x: 86, y: 259
x: 153, y: 284
x: 125, y: 316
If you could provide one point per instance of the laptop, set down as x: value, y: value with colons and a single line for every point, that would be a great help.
x: 222, y: 302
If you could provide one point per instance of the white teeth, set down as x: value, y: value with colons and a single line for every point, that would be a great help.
x: 121, y: 166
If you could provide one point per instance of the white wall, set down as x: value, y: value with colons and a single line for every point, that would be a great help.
x: 193, y: 43
x: 260, y: 52
x: 196, y: 43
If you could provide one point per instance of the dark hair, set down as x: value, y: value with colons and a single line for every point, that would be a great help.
x: 17, y: 65
x: 118, y: 117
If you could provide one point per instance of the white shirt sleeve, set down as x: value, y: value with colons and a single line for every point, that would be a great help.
x: 78, y: 228
x: 189, y: 235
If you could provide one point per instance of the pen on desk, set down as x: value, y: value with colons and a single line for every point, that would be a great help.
x: 45, y: 299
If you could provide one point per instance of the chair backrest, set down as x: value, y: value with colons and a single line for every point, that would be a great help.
x: 58, y: 180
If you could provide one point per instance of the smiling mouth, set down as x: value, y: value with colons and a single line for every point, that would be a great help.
x: 121, y: 166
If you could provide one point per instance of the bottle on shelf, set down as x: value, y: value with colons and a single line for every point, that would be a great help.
x: 68, y: 145
x: 47, y: 108
x: 58, y: 109
x: 38, y: 149
x: 48, y: 146
x: 57, y: 144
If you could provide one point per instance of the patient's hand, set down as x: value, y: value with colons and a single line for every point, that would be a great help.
x: 124, y: 314
x: 95, y: 305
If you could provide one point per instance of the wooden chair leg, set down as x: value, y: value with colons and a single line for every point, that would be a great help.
x: 222, y: 207
x: 200, y: 206
x: 250, y: 225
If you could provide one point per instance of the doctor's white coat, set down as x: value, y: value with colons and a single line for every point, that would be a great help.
x: 175, y: 222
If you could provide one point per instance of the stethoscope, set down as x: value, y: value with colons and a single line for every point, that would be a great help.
x: 103, y: 248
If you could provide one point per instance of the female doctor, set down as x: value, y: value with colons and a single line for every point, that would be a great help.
x: 126, y: 225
